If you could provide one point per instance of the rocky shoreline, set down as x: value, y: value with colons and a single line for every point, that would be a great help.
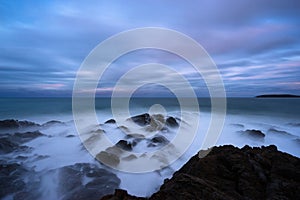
x: 228, y: 172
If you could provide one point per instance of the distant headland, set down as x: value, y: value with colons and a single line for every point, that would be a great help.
x: 277, y: 96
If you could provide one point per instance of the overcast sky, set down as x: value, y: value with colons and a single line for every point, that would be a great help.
x: 255, y: 44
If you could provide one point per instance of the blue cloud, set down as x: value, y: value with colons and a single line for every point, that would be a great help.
x: 255, y: 44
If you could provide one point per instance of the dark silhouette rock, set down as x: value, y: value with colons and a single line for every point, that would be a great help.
x: 228, y: 172
x: 142, y: 120
x: 125, y: 145
x: 254, y: 133
x: 110, y: 121
x: 121, y: 195
x: 70, y: 136
x: 171, y: 122
x: 277, y: 96
x: 158, y: 140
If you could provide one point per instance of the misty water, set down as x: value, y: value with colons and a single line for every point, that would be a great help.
x: 49, y: 160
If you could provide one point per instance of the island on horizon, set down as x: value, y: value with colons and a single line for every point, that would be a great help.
x: 277, y: 96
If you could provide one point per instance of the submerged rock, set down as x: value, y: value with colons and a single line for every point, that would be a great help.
x: 254, y: 133
x: 53, y: 122
x: 279, y: 132
x: 228, y: 172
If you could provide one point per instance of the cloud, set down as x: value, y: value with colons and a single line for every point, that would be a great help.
x: 253, y: 42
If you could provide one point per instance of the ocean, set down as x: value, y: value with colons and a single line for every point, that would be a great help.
x: 50, y: 155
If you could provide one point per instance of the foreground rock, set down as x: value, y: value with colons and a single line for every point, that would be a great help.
x: 228, y: 172
x: 86, y: 181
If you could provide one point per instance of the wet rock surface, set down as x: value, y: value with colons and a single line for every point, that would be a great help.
x: 228, y: 172
x: 142, y: 120
x: 15, y: 124
x: 78, y: 181
x: 15, y: 141
x: 158, y: 141
x: 13, y: 183
x: 19, y: 180
x: 86, y: 181
x: 171, y: 122
x: 125, y: 145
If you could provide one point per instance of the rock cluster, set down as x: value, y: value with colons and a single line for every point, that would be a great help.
x: 228, y: 172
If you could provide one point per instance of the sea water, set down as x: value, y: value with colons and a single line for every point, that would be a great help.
x: 278, y: 119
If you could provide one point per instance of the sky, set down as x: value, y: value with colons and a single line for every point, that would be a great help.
x: 254, y: 43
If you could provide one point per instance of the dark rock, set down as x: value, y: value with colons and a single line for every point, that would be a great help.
x: 277, y: 96
x: 228, y: 172
x: 15, y: 124
x: 171, y: 122
x: 158, y: 140
x: 135, y: 135
x: 294, y: 124
x: 254, y: 133
x: 110, y: 121
x: 142, y: 120
x: 11, y: 178
x: 125, y: 145
x: 279, y: 132
x: 100, y: 182
x: 12, y: 142
x: 238, y: 125
x: 121, y: 195
x: 27, y: 136
x: 53, y: 122
x: 7, y: 146
x: 70, y: 136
